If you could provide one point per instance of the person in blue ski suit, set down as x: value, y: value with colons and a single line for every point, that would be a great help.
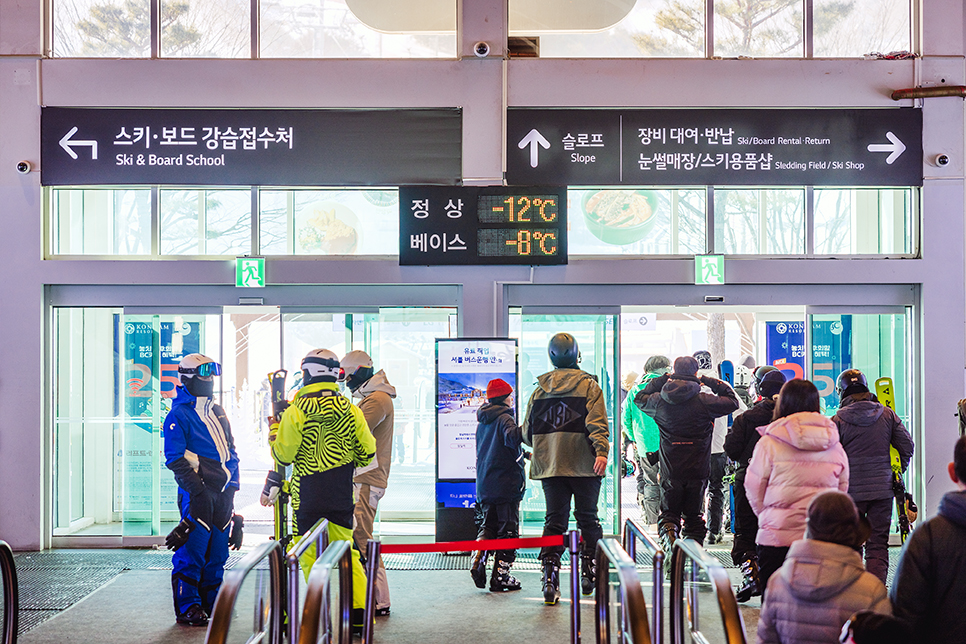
x: 199, y: 449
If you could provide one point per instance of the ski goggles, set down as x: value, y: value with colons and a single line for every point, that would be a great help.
x: 325, y: 362
x: 203, y: 370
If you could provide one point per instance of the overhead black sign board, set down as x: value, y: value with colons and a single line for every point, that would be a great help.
x: 774, y: 147
x: 250, y: 147
x: 482, y: 225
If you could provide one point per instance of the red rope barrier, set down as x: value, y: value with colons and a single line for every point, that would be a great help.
x: 486, y: 544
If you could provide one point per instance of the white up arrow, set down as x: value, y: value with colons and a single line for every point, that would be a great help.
x: 68, y: 145
x: 534, y: 139
x: 895, y: 148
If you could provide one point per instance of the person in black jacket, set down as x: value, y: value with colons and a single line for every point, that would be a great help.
x: 500, y: 483
x: 867, y: 429
x: 739, y: 445
x: 685, y: 417
x: 930, y: 582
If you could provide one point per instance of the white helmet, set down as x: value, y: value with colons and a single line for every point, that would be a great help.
x: 196, y: 364
x: 743, y: 376
x: 321, y: 363
x: 356, y: 368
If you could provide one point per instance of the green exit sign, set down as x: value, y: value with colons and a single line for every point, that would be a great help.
x: 709, y: 269
x: 250, y: 272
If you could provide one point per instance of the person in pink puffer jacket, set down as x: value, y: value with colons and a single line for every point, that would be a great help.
x: 799, y: 455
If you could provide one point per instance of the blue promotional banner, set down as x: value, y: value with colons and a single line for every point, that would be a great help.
x: 831, y: 355
x: 785, y: 348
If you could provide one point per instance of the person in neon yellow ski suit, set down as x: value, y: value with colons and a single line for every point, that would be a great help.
x: 325, y: 437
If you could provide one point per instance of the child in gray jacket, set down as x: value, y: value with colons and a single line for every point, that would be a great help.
x: 822, y: 582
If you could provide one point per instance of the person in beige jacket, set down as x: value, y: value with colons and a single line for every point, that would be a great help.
x: 370, y: 482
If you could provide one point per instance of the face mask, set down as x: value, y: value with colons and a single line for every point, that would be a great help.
x: 200, y: 387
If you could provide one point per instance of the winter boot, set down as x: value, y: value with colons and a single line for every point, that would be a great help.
x: 551, y: 579
x: 478, y: 569
x: 668, y: 533
x: 751, y: 583
x: 588, y: 574
x: 501, y: 579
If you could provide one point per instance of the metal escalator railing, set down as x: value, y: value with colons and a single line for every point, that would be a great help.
x: 316, y: 625
x: 633, y: 628
x: 318, y: 535
x: 684, y: 598
x: 11, y: 599
x: 634, y: 533
x: 267, y: 623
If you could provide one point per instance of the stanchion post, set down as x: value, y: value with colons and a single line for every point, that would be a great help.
x: 573, y: 541
x: 373, y: 549
x: 657, y: 613
x: 293, y: 599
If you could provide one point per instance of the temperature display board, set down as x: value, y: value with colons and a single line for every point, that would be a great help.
x: 441, y: 225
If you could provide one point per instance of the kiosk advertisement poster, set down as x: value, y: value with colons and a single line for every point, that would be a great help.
x: 785, y: 348
x: 463, y: 368
x: 831, y: 355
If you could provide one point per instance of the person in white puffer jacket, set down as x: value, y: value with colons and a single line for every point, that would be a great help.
x: 799, y: 455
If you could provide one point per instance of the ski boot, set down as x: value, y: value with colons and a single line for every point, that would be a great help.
x: 501, y: 579
x: 551, y: 579
x: 478, y: 569
x: 588, y: 574
x: 751, y: 583
x: 668, y: 534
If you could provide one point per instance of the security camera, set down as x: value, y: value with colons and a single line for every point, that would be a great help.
x: 23, y: 167
x: 481, y: 49
x: 942, y: 160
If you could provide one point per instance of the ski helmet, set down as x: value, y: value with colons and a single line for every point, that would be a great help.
x: 851, y: 381
x: 320, y: 365
x: 657, y: 364
x: 771, y: 383
x: 759, y: 374
x: 356, y: 369
x: 564, y: 352
x: 743, y: 376
x: 197, y: 373
x: 704, y: 359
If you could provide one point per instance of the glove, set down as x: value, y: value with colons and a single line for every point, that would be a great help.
x: 179, y: 536
x: 273, y: 487
x: 652, y: 458
x: 201, y: 508
x: 237, y: 533
x: 272, y: 429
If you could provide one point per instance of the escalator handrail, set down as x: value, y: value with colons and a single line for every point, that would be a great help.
x: 734, y: 627
x: 221, y: 615
x: 338, y: 554
x: 11, y: 599
x: 634, y: 626
x: 634, y: 533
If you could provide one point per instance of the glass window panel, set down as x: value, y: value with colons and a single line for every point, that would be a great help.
x: 657, y: 28
x: 205, y: 222
x: 863, y: 221
x: 759, y: 28
x: 759, y: 222
x: 636, y: 222
x: 92, y: 28
x: 852, y: 29
x: 329, y: 222
x: 100, y: 221
x: 330, y: 29
x: 206, y: 28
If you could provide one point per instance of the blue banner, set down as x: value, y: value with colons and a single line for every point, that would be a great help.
x: 785, y: 348
x: 831, y: 355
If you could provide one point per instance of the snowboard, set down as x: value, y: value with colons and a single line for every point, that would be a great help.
x: 885, y: 392
x: 726, y: 370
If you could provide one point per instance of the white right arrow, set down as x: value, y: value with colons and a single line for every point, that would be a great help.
x: 67, y: 144
x: 534, y: 139
x: 896, y: 147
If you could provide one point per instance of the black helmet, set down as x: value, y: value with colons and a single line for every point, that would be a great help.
x: 851, y: 381
x: 563, y: 351
x: 760, y: 373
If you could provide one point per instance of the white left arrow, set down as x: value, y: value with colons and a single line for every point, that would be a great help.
x: 68, y: 145
x: 534, y: 139
x: 896, y: 147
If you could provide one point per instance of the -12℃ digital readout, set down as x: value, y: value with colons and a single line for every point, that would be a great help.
x: 517, y: 209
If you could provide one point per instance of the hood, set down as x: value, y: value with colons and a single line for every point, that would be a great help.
x: 809, y: 431
x: 816, y: 571
x: 953, y: 507
x: 677, y: 391
x: 490, y: 412
x: 860, y: 412
x: 560, y: 382
x: 378, y: 382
